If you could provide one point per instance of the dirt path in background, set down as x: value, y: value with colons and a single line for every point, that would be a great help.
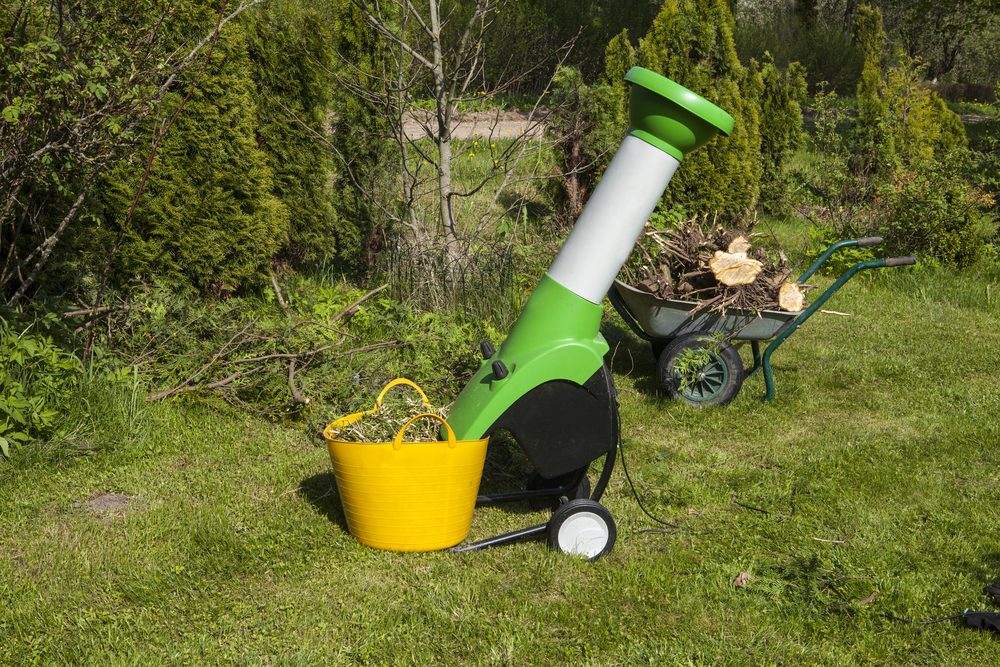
x: 498, y: 124
x: 850, y: 115
x: 494, y: 124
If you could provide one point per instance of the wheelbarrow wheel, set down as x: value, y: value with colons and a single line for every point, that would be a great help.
x: 717, y: 382
x: 582, y: 528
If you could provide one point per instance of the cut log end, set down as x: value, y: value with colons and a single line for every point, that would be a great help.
x: 734, y: 268
x: 790, y: 297
x: 739, y: 244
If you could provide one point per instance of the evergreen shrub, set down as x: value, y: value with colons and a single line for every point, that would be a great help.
x: 691, y: 43
x: 237, y: 183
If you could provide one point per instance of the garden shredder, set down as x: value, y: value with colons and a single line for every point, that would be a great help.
x: 548, y: 385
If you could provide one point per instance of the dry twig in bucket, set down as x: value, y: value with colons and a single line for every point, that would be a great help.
x: 383, y: 424
x: 700, y: 260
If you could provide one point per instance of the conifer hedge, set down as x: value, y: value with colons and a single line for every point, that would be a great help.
x: 691, y: 42
x: 237, y: 183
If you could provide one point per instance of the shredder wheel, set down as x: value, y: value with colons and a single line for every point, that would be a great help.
x: 582, y: 528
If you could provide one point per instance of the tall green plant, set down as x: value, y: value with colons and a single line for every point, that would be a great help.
x: 292, y: 93
x: 619, y: 58
x: 780, y: 130
x: 873, y: 135
x: 361, y: 136
x: 209, y: 218
x: 36, y: 376
x: 692, y: 43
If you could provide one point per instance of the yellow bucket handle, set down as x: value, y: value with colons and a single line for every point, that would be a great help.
x: 399, y: 381
x: 398, y: 442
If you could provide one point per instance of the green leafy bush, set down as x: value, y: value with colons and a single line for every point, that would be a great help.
x: 692, y: 43
x: 905, y: 172
x: 238, y: 183
x: 782, y: 94
x: 36, y: 376
x: 208, y: 218
x: 931, y: 209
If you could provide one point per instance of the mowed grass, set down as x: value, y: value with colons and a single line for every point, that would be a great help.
x: 875, y: 471
x: 869, y: 487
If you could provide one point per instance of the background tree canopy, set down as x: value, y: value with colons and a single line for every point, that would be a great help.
x: 240, y: 189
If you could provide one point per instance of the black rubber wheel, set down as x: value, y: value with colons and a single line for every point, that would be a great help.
x: 536, y: 483
x: 717, y: 383
x: 658, y: 345
x: 582, y: 528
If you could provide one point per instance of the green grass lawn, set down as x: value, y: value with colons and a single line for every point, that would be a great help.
x: 875, y: 471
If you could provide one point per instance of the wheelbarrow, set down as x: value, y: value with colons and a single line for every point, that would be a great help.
x: 675, y: 330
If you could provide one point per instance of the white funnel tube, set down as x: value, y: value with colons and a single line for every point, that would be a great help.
x: 606, y: 231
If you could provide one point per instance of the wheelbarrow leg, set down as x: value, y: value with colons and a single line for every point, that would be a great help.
x: 755, y: 346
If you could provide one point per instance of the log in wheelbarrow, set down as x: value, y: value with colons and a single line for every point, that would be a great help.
x: 678, y: 331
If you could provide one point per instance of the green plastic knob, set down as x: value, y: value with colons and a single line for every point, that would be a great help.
x: 669, y: 116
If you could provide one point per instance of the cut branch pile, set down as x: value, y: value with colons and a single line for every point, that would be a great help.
x: 254, y: 357
x: 700, y: 260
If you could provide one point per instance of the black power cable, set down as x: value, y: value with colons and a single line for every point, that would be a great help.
x: 677, y: 531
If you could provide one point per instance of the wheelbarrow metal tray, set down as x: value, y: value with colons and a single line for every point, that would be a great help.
x: 670, y: 318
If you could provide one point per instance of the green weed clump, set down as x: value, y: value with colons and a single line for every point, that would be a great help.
x: 903, y: 172
x: 38, y: 374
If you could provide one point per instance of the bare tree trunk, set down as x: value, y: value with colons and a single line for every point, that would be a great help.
x: 444, y: 109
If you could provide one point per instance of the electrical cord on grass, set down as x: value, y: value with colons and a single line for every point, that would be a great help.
x: 936, y: 620
x: 677, y: 529
x: 982, y: 620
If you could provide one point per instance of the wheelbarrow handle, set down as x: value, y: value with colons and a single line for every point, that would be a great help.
x: 900, y: 261
x: 864, y: 241
x: 785, y: 331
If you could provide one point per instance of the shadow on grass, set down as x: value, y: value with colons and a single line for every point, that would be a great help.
x: 320, y: 491
x: 985, y: 569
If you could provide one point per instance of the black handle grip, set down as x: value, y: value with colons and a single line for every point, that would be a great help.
x: 900, y: 261
x: 869, y: 240
x: 500, y: 370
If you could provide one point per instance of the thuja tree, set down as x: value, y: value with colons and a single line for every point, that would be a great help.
x: 78, y: 81
x: 238, y: 183
x: 209, y: 218
x: 289, y: 59
x: 782, y: 93
x: 691, y: 42
x: 909, y: 176
x: 367, y: 156
x: 873, y: 136
x: 584, y: 118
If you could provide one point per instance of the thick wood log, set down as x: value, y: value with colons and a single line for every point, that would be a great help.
x: 739, y: 244
x: 734, y: 268
x: 790, y: 297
